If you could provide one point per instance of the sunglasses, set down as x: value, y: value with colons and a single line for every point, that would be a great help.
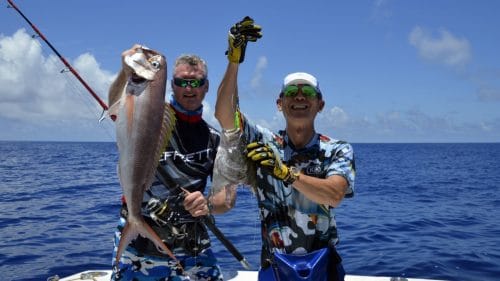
x: 193, y: 83
x: 307, y: 91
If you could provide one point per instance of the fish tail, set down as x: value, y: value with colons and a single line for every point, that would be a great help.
x: 130, y: 232
x: 146, y: 231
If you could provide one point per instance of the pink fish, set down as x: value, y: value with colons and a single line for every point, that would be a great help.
x: 143, y: 125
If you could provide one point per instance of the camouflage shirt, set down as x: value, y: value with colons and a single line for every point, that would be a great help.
x: 291, y: 223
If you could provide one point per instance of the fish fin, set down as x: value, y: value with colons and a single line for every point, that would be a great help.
x: 146, y: 231
x: 167, y: 128
x: 168, y: 125
x: 113, y: 110
x: 130, y: 232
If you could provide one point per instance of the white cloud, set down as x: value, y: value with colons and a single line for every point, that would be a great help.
x: 335, y: 117
x: 488, y: 94
x: 208, y: 115
x: 32, y: 86
x: 419, y: 126
x: 380, y: 10
x: 446, y: 48
x: 91, y: 71
x: 35, y: 93
x: 403, y: 126
x: 256, y: 81
x: 275, y: 123
x: 395, y: 126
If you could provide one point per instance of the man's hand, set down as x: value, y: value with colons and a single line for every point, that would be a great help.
x: 196, y: 204
x: 264, y: 156
x: 239, y: 34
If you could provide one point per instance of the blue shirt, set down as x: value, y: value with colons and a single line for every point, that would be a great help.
x: 291, y: 223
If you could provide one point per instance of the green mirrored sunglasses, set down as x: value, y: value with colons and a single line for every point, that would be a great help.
x: 293, y: 90
x: 193, y: 83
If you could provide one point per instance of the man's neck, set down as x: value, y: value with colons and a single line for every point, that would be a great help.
x: 300, y: 135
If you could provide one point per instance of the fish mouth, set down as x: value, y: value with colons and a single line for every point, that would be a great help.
x: 136, y: 84
x: 137, y: 79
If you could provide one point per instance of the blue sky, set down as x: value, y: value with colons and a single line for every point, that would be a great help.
x: 391, y: 71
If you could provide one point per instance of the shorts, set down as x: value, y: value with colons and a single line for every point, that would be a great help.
x: 137, y: 266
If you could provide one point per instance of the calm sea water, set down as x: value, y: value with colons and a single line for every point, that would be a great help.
x: 420, y: 210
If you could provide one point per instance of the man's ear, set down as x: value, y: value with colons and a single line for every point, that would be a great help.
x: 278, y: 103
x: 206, y: 85
x: 321, y: 105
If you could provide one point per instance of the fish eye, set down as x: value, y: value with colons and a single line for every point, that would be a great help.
x: 155, y: 64
x: 155, y: 61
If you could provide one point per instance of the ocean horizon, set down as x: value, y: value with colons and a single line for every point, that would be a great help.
x: 421, y: 210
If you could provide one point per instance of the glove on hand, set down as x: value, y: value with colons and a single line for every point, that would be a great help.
x: 264, y: 156
x: 239, y: 34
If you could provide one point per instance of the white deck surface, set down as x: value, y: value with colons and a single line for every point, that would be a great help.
x: 104, y: 275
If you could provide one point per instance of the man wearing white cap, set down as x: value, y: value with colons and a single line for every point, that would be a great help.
x: 302, y: 175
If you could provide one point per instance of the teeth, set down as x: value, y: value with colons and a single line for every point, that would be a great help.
x: 299, y: 106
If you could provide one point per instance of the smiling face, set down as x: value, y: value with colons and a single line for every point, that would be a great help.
x: 190, y: 97
x: 299, y: 107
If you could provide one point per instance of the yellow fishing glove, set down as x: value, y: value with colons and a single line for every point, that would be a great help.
x: 263, y: 155
x: 239, y: 34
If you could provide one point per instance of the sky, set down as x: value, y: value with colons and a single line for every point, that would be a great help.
x: 390, y: 71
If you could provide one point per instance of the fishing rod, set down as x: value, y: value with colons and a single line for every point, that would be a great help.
x: 65, y: 62
x: 209, y: 222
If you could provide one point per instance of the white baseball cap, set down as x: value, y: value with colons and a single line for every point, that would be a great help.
x: 304, y: 78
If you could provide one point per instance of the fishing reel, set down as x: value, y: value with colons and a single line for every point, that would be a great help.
x: 166, y: 211
x: 159, y: 211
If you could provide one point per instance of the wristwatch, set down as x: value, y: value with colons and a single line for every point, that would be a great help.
x: 293, y: 175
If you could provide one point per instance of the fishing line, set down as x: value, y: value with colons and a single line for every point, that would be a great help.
x: 67, y: 66
x: 74, y: 87
x: 257, y: 236
x: 209, y: 223
x: 105, y: 124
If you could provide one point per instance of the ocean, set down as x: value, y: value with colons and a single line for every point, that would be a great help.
x: 419, y: 210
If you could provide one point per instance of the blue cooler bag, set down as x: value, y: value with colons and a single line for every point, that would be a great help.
x: 311, y: 266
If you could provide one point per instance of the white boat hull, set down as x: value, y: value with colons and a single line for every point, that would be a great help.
x: 105, y: 275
